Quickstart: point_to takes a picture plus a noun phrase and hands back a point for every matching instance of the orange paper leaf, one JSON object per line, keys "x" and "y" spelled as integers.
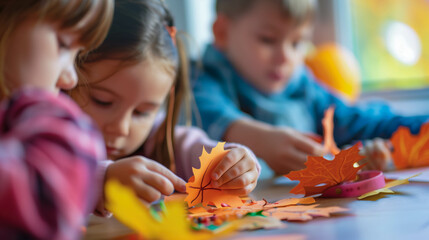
{"x": 302, "y": 213}
{"x": 321, "y": 173}
{"x": 328, "y": 131}
{"x": 253, "y": 206}
{"x": 410, "y": 150}
{"x": 199, "y": 187}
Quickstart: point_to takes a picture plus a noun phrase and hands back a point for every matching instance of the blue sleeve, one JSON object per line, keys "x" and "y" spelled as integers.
{"x": 354, "y": 123}
{"x": 216, "y": 107}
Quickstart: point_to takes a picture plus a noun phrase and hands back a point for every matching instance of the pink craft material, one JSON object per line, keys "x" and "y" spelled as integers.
{"x": 368, "y": 181}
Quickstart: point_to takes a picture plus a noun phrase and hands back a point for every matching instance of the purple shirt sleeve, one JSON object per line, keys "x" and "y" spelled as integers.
{"x": 48, "y": 155}
{"x": 188, "y": 146}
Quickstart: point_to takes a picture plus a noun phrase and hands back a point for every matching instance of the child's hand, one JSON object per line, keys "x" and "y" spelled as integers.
{"x": 287, "y": 149}
{"x": 149, "y": 179}
{"x": 378, "y": 154}
{"x": 236, "y": 173}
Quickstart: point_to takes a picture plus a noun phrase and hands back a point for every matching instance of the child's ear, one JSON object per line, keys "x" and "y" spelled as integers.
{"x": 220, "y": 31}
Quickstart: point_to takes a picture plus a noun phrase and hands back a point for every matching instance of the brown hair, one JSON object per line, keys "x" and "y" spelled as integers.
{"x": 68, "y": 13}
{"x": 139, "y": 32}
{"x": 299, "y": 10}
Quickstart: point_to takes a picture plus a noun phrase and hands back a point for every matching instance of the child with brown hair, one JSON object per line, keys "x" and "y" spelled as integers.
{"x": 255, "y": 90}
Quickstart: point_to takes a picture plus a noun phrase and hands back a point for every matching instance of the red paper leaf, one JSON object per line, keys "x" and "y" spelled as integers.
{"x": 321, "y": 173}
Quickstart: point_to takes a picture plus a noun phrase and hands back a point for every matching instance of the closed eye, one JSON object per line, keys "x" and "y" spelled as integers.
{"x": 142, "y": 113}
{"x": 267, "y": 40}
{"x": 101, "y": 103}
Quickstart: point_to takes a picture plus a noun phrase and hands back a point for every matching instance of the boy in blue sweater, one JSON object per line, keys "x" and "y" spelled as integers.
{"x": 255, "y": 90}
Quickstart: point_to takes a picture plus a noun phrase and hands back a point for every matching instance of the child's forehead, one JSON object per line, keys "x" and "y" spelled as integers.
{"x": 268, "y": 17}
{"x": 272, "y": 11}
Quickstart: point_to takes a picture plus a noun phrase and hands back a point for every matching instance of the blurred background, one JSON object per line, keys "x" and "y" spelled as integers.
{"x": 385, "y": 43}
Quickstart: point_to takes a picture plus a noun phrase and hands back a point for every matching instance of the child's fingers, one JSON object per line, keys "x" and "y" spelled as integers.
{"x": 158, "y": 181}
{"x": 242, "y": 191}
{"x": 384, "y": 153}
{"x": 230, "y": 159}
{"x": 146, "y": 192}
{"x": 295, "y": 160}
{"x": 235, "y": 171}
{"x": 377, "y": 154}
{"x": 241, "y": 181}
{"x": 309, "y": 146}
{"x": 177, "y": 182}
{"x": 368, "y": 151}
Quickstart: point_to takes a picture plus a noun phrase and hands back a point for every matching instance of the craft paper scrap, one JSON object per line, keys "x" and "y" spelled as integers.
{"x": 328, "y": 131}
{"x": 386, "y": 188}
{"x": 410, "y": 150}
{"x": 199, "y": 187}
{"x": 293, "y": 209}
{"x": 253, "y": 206}
{"x": 302, "y": 213}
{"x": 321, "y": 173}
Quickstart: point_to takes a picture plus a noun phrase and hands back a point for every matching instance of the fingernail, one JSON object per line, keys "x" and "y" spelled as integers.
{"x": 215, "y": 176}
{"x": 183, "y": 187}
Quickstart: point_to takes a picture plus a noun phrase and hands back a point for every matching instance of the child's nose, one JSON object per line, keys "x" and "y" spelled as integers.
{"x": 283, "y": 54}
{"x": 120, "y": 126}
{"x": 68, "y": 78}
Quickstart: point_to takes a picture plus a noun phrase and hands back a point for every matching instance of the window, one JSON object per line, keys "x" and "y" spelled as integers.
{"x": 390, "y": 39}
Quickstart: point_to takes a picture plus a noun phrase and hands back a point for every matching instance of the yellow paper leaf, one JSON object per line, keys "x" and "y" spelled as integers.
{"x": 386, "y": 188}
{"x": 128, "y": 209}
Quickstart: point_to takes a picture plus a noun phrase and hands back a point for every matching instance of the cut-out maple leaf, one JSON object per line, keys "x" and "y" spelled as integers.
{"x": 321, "y": 173}
{"x": 252, "y": 207}
{"x": 386, "y": 189}
{"x": 199, "y": 186}
{"x": 410, "y": 150}
{"x": 328, "y": 131}
{"x": 302, "y": 213}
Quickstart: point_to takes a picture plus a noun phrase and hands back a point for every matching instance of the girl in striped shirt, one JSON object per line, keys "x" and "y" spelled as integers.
{"x": 48, "y": 148}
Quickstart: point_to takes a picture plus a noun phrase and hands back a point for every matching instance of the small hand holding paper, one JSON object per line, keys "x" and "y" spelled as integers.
{"x": 236, "y": 173}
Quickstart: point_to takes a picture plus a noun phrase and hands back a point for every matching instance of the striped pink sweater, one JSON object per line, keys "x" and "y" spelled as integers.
{"x": 48, "y": 156}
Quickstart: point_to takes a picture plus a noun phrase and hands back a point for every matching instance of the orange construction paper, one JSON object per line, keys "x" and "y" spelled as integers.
{"x": 302, "y": 213}
{"x": 409, "y": 150}
{"x": 321, "y": 173}
{"x": 328, "y": 131}
{"x": 290, "y": 201}
{"x": 253, "y": 206}
{"x": 199, "y": 187}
